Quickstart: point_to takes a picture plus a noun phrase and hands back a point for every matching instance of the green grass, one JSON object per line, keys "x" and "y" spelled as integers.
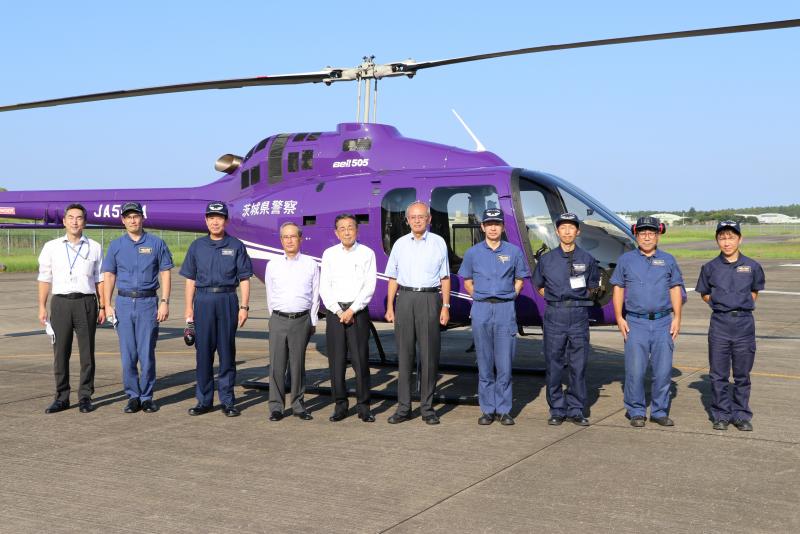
{"x": 788, "y": 249}
{"x": 28, "y": 263}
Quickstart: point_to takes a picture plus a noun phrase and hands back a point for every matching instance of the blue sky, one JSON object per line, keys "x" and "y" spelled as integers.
{"x": 708, "y": 122}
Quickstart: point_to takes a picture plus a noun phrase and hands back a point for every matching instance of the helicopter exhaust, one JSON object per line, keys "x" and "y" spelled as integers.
{"x": 227, "y": 163}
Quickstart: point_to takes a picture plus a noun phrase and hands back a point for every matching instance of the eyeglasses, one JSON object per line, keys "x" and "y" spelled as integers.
{"x": 647, "y": 233}
{"x": 417, "y": 217}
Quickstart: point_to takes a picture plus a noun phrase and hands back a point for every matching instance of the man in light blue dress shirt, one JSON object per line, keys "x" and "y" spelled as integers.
{"x": 418, "y": 269}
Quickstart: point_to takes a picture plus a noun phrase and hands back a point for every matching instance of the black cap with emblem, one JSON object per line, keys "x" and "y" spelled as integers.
{"x": 134, "y": 207}
{"x": 493, "y": 214}
{"x": 729, "y": 225}
{"x": 217, "y": 208}
{"x": 568, "y": 218}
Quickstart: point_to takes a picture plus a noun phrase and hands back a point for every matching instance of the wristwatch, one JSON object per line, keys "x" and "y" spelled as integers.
{"x": 245, "y": 308}
{"x": 165, "y": 301}
{"x": 447, "y": 305}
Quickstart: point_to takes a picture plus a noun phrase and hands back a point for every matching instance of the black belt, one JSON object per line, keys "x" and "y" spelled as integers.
{"x": 494, "y": 300}
{"x": 420, "y": 289}
{"x": 569, "y": 303}
{"x": 290, "y": 315}
{"x": 735, "y": 313}
{"x": 220, "y": 289}
{"x": 650, "y": 316}
{"x": 73, "y": 296}
{"x": 137, "y": 294}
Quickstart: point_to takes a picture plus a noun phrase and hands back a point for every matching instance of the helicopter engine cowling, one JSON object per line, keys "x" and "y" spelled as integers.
{"x": 228, "y": 163}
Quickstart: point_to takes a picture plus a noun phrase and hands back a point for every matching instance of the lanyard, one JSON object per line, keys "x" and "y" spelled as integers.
{"x": 78, "y": 253}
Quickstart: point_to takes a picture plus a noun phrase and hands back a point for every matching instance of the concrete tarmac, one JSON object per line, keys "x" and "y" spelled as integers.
{"x": 167, "y": 472}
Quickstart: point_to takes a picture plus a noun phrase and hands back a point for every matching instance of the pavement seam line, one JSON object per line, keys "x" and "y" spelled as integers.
{"x": 509, "y": 466}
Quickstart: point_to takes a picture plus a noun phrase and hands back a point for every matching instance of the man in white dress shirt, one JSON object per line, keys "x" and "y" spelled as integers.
{"x": 347, "y": 283}
{"x": 419, "y": 268}
{"x": 292, "y": 283}
{"x": 70, "y": 265}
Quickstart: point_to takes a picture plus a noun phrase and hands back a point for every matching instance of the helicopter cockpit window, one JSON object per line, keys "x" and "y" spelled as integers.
{"x": 600, "y": 237}
{"x": 393, "y": 215}
{"x": 540, "y": 207}
{"x": 308, "y": 160}
{"x": 293, "y": 162}
{"x": 357, "y": 145}
{"x": 456, "y": 216}
{"x": 260, "y": 146}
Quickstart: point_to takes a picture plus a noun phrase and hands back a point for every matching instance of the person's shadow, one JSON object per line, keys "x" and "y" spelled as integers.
{"x": 703, "y": 386}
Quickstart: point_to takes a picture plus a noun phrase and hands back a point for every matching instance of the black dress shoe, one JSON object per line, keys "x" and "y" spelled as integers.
{"x": 637, "y": 421}
{"x": 133, "y": 406}
{"x": 486, "y": 419}
{"x": 743, "y": 425}
{"x": 397, "y": 418}
{"x": 276, "y": 416}
{"x": 663, "y": 421}
{"x": 57, "y": 406}
{"x": 85, "y": 405}
{"x": 506, "y": 420}
{"x": 149, "y": 406}
{"x": 231, "y": 411}
{"x": 555, "y": 420}
{"x": 579, "y": 420}
{"x": 199, "y": 410}
{"x": 337, "y": 417}
{"x": 367, "y": 417}
{"x": 304, "y": 415}
{"x": 432, "y": 419}
{"x": 722, "y": 424}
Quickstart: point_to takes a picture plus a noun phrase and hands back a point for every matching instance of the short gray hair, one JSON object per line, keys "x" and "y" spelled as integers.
{"x": 290, "y": 223}
{"x": 418, "y": 203}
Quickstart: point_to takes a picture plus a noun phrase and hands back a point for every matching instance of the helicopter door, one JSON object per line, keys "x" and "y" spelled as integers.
{"x": 456, "y": 216}
{"x": 540, "y": 207}
{"x": 393, "y": 215}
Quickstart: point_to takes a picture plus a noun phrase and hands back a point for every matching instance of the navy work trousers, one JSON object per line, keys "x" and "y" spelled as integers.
{"x": 216, "y": 318}
{"x": 494, "y": 329}
{"x": 648, "y": 341}
{"x": 731, "y": 345}
{"x": 566, "y": 346}
{"x": 138, "y": 331}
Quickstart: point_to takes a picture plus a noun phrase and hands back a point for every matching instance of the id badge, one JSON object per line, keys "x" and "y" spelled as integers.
{"x": 577, "y": 282}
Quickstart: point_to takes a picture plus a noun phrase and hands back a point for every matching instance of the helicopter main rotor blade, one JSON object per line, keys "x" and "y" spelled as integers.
{"x": 280, "y": 79}
{"x": 400, "y": 68}
{"x": 776, "y": 25}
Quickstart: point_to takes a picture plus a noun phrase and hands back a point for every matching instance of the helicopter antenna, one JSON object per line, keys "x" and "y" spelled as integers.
{"x": 478, "y": 145}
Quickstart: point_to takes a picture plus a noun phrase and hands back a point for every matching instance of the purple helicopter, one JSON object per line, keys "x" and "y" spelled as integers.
{"x": 373, "y": 172}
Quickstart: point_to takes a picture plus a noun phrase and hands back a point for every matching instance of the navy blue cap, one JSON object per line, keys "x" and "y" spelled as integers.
{"x": 729, "y": 225}
{"x": 217, "y": 208}
{"x": 568, "y": 218}
{"x": 493, "y": 214}
{"x": 648, "y": 222}
{"x": 132, "y": 206}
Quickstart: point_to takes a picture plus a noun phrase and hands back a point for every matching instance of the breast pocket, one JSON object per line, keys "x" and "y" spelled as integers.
{"x": 742, "y": 282}
{"x": 148, "y": 266}
{"x": 227, "y": 264}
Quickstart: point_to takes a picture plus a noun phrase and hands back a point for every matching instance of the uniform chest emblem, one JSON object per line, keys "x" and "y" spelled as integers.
{"x": 659, "y": 263}
{"x": 743, "y": 269}
{"x": 503, "y": 258}
{"x": 145, "y": 250}
{"x": 226, "y": 251}
{"x": 579, "y": 267}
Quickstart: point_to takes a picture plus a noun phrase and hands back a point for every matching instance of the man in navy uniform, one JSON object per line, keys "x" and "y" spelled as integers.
{"x": 730, "y": 284}
{"x": 215, "y": 265}
{"x": 649, "y": 283}
{"x": 493, "y": 273}
{"x": 134, "y": 263}
{"x": 418, "y": 268}
{"x": 567, "y": 278}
